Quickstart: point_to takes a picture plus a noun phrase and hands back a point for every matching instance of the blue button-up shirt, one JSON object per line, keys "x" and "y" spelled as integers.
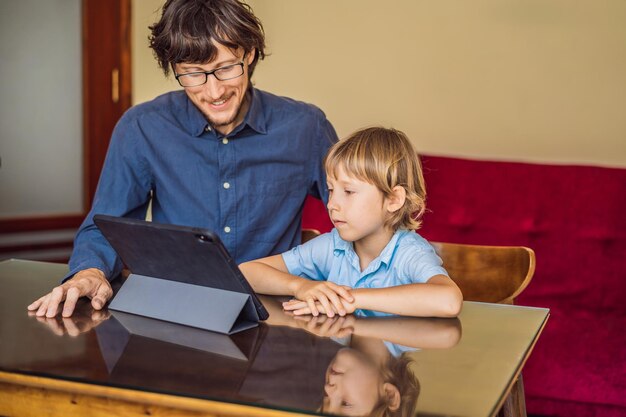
{"x": 248, "y": 187}
{"x": 407, "y": 258}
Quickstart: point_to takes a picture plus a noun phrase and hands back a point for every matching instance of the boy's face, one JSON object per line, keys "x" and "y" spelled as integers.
{"x": 353, "y": 384}
{"x": 357, "y": 209}
{"x": 223, "y": 103}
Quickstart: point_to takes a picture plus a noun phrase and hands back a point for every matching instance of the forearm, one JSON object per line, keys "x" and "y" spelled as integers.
{"x": 418, "y": 300}
{"x": 266, "y": 279}
{"x": 123, "y": 190}
{"x": 426, "y": 333}
{"x": 91, "y": 250}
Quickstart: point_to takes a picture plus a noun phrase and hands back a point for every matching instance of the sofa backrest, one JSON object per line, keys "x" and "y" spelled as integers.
{"x": 573, "y": 217}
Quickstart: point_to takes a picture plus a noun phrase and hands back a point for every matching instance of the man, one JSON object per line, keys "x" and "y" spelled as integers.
{"x": 220, "y": 154}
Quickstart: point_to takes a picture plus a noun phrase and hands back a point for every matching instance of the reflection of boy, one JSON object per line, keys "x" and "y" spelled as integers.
{"x": 370, "y": 373}
{"x": 288, "y": 370}
{"x": 372, "y": 259}
{"x": 370, "y": 379}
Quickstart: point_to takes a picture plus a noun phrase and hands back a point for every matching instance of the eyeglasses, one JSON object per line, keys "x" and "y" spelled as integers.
{"x": 194, "y": 79}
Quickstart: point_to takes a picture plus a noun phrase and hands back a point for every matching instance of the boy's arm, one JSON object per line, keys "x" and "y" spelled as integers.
{"x": 270, "y": 276}
{"x": 438, "y": 297}
{"x": 424, "y": 333}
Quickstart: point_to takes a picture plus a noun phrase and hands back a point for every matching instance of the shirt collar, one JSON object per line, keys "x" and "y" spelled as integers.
{"x": 255, "y": 118}
{"x": 387, "y": 253}
{"x": 384, "y": 257}
{"x": 197, "y": 122}
{"x": 339, "y": 244}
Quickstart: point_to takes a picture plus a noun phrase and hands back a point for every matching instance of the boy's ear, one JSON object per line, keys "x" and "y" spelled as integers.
{"x": 392, "y": 395}
{"x": 396, "y": 200}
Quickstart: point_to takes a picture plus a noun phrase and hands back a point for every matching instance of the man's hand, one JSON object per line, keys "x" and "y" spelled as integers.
{"x": 89, "y": 283}
{"x": 79, "y": 323}
{"x": 299, "y": 308}
{"x": 327, "y": 294}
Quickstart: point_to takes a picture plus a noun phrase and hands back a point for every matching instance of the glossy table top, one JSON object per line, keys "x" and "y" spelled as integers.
{"x": 424, "y": 367}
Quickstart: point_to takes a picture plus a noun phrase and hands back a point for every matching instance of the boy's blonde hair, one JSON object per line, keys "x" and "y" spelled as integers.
{"x": 384, "y": 158}
{"x": 398, "y": 372}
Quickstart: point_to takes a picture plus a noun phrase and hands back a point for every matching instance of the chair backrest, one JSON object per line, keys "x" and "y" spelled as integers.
{"x": 308, "y": 234}
{"x": 495, "y": 274}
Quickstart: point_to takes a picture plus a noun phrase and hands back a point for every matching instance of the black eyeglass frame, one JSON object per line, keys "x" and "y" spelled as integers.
{"x": 212, "y": 72}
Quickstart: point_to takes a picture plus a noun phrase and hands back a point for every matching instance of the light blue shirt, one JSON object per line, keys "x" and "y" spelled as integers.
{"x": 394, "y": 349}
{"x": 408, "y": 258}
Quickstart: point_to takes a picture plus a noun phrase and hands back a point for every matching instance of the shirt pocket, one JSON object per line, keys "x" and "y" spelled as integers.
{"x": 271, "y": 207}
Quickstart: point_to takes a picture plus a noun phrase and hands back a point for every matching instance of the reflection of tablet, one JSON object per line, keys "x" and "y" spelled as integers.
{"x": 198, "y": 362}
{"x": 176, "y": 253}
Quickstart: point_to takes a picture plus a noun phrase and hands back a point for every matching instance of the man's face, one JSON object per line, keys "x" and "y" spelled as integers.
{"x": 223, "y": 103}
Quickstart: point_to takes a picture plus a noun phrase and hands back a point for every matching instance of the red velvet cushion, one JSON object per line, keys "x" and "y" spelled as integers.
{"x": 574, "y": 218}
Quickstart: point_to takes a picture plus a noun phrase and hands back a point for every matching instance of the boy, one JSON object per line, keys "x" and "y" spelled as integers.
{"x": 372, "y": 259}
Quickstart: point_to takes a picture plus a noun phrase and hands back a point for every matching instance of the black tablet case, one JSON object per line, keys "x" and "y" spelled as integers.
{"x": 180, "y": 274}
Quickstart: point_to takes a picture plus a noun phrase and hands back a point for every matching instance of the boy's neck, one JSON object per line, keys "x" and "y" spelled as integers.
{"x": 370, "y": 247}
{"x": 373, "y": 348}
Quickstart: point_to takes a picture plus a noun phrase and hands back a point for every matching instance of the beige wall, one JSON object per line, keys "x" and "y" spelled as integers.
{"x": 148, "y": 80}
{"x": 529, "y": 80}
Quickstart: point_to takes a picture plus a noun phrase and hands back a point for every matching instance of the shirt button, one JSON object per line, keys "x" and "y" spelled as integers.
{"x": 227, "y": 229}
{"x": 225, "y": 141}
{"x": 226, "y": 185}
{"x": 207, "y": 129}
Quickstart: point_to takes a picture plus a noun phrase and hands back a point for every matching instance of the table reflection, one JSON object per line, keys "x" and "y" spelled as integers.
{"x": 371, "y": 375}
{"x": 306, "y": 365}
{"x": 354, "y": 365}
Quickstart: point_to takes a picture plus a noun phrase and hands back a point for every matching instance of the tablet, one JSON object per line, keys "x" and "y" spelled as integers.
{"x": 176, "y": 253}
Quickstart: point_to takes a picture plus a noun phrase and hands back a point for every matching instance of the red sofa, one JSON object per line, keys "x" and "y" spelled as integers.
{"x": 574, "y": 217}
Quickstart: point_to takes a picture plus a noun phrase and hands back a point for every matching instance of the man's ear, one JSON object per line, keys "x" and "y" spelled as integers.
{"x": 250, "y": 56}
{"x": 392, "y": 396}
{"x": 396, "y": 200}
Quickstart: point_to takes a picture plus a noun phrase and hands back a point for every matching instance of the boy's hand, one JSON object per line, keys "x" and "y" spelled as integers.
{"x": 325, "y": 326}
{"x": 299, "y": 308}
{"x": 328, "y": 295}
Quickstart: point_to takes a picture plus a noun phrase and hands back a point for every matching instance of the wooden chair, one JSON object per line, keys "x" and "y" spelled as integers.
{"x": 308, "y": 234}
{"x": 495, "y": 274}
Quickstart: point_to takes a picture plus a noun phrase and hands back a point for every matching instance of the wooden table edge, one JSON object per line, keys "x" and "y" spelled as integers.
{"x": 521, "y": 365}
{"x": 79, "y": 395}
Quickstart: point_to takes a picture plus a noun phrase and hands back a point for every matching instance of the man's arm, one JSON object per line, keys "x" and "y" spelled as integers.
{"x": 326, "y": 137}
{"x": 123, "y": 190}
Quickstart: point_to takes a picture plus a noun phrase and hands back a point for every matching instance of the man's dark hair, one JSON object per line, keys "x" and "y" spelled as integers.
{"x": 187, "y": 27}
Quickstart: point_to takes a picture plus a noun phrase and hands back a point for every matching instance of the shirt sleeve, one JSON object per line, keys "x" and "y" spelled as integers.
{"x": 123, "y": 190}
{"x": 324, "y": 139}
{"x": 312, "y": 259}
{"x": 421, "y": 263}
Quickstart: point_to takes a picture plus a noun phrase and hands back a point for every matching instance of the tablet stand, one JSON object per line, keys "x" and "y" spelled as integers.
{"x": 206, "y": 308}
